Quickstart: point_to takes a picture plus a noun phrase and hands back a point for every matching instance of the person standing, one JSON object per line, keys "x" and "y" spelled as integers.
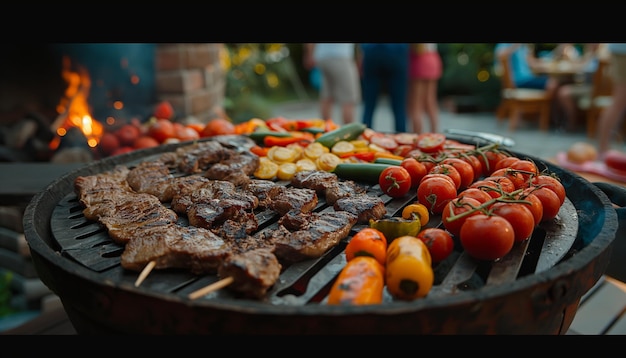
{"x": 385, "y": 64}
{"x": 340, "y": 83}
{"x": 613, "y": 114}
{"x": 425, "y": 70}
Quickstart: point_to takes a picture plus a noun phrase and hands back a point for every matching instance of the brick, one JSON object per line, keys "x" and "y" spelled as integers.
{"x": 182, "y": 81}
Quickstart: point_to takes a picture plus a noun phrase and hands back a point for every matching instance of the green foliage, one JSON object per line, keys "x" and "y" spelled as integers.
{"x": 5, "y": 293}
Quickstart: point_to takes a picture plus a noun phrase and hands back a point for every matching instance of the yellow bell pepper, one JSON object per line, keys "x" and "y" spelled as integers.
{"x": 408, "y": 272}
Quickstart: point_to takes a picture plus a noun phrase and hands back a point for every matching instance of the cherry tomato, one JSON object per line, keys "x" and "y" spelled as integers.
{"x": 449, "y": 170}
{"x": 526, "y": 168}
{"x": 505, "y": 162}
{"x": 431, "y": 142}
{"x": 475, "y": 193}
{"x": 551, "y": 183}
{"x": 145, "y": 141}
{"x": 474, "y": 162}
{"x": 164, "y": 110}
{"x": 438, "y": 175}
{"x": 403, "y": 150}
{"x": 162, "y": 129}
{"x": 487, "y": 237}
{"x": 184, "y": 132}
{"x": 489, "y": 159}
{"x": 416, "y": 169}
{"x": 516, "y": 177}
{"x": 439, "y": 243}
{"x": 395, "y": 181}
{"x": 490, "y": 187}
{"x": 535, "y": 205}
{"x": 520, "y": 217}
{"x": 406, "y": 138}
{"x": 127, "y": 134}
{"x": 465, "y": 169}
{"x": 221, "y": 126}
{"x": 504, "y": 183}
{"x": 549, "y": 200}
{"x": 435, "y": 193}
{"x": 456, "y": 207}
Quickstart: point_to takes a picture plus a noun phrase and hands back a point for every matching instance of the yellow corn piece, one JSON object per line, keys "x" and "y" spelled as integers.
{"x": 286, "y": 171}
{"x": 314, "y": 150}
{"x": 267, "y": 169}
{"x": 280, "y": 154}
{"x": 305, "y": 164}
{"x": 327, "y": 162}
{"x": 359, "y": 143}
{"x": 342, "y": 147}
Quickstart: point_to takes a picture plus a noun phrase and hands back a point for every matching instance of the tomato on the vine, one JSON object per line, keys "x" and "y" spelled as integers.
{"x": 465, "y": 169}
{"x": 551, "y": 183}
{"x": 439, "y": 243}
{"x": 487, "y": 237}
{"x": 431, "y": 142}
{"x": 534, "y": 204}
{"x": 526, "y": 168}
{"x": 435, "y": 193}
{"x": 489, "y": 159}
{"x": 456, "y": 207}
{"x": 395, "y": 181}
{"x": 475, "y": 193}
{"x": 449, "y": 170}
{"x": 416, "y": 169}
{"x": 519, "y": 216}
{"x": 162, "y": 129}
{"x": 549, "y": 200}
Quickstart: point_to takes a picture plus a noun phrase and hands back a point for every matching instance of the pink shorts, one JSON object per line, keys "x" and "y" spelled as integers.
{"x": 426, "y": 65}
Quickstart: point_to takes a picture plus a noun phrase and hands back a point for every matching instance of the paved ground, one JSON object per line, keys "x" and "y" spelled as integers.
{"x": 528, "y": 139}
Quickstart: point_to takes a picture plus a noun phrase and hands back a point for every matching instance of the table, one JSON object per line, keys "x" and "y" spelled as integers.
{"x": 558, "y": 68}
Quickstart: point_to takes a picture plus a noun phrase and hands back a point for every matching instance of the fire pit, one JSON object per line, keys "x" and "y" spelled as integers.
{"x": 534, "y": 290}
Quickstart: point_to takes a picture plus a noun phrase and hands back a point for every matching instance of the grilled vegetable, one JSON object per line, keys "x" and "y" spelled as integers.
{"x": 409, "y": 273}
{"x": 395, "y": 227}
{"x": 360, "y": 282}
{"x": 362, "y": 172}
{"x": 416, "y": 211}
{"x": 346, "y": 132}
{"x": 368, "y": 242}
{"x": 259, "y": 135}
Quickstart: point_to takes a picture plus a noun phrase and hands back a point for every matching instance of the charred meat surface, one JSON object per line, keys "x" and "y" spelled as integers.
{"x": 343, "y": 189}
{"x": 152, "y": 177}
{"x": 365, "y": 206}
{"x": 175, "y": 246}
{"x": 318, "y": 180}
{"x": 294, "y": 199}
{"x": 263, "y": 190}
{"x": 321, "y": 232}
{"x": 93, "y": 189}
{"x": 254, "y": 272}
{"x": 235, "y": 169}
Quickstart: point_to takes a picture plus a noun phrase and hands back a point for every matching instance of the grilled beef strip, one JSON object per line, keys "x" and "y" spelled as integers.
{"x": 175, "y": 246}
{"x": 93, "y": 189}
{"x": 152, "y": 177}
{"x": 318, "y": 180}
{"x": 342, "y": 189}
{"x": 294, "y": 199}
{"x": 235, "y": 169}
{"x": 263, "y": 190}
{"x": 365, "y": 206}
{"x": 317, "y": 232}
{"x": 254, "y": 272}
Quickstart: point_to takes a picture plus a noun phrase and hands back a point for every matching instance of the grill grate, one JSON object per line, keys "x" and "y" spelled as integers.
{"x": 308, "y": 282}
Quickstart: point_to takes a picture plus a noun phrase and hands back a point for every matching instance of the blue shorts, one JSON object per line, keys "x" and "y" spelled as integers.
{"x": 535, "y": 82}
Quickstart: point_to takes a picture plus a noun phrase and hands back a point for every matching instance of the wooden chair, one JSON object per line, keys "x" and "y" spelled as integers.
{"x": 599, "y": 98}
{"x": 517, "y": 102}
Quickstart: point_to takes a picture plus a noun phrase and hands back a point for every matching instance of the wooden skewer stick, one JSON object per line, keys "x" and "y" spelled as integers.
{"x": 144, "y": 273}
{"x": 210, "y": 288}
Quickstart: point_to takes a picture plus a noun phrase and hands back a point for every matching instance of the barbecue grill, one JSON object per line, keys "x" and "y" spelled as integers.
{"x": 535, "y": 289}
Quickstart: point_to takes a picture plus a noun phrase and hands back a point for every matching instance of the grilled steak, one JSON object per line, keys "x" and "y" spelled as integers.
{"x": 182, "y": 185}
{"x": 318, "y": 180}
{"x": 212, "y": 213}
{"x": 197, "y": 157}
{"x": 152, "y": 177}
{"x": 263, "y": 190}
{"x": 235, "y": 169}
{"x": 93, "y": 189}
{"x": 135, "y": 212}
{"x": 213, "y": 189}
{"x": 342, "y": 189}
{"x": 365, "y": 206}
{"x": 294, "y": 199}
{"x": 322, "y": 231}
{"x": 175, "y": 246}
{"x": 254, "y": 272}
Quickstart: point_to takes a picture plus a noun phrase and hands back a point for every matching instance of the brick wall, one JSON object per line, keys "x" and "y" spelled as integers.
{"x": 191, "y": 78}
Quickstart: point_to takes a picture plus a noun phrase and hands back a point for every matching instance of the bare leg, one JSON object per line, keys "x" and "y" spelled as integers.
{"x": 610, "y": 117}
{"x": 430, "y": 104}
{"x": 347, "y": 113}
{"x": 412, "y": 107}
{"x": 326, "y": 108}
{"x": 567, "y": 103}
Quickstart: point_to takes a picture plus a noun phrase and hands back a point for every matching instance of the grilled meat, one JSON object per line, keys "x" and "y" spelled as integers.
{"x": 94, "y": 189}
{"x": 212, "y": 213}
{"x": 197, "y": 157}
{"x": 152, "y": 177}
{"x": 365, "y": 206}
{"x": 235, "y": 169}
{"x": 294, "y": 199}
{"x": 321, "y": 232}
{"x": 263, "y": 190}
{"x": 175, "y": 246}
{"x": 318, "y": 180}
{"x": 213, "y": 189}
{"x": 342, "y": 189}
{"x": 254, "y": 272}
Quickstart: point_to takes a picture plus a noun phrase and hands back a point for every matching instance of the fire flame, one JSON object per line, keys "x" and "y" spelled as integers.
{"x": 74, "y": 110}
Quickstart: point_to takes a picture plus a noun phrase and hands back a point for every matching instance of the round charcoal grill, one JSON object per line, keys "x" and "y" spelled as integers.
{"x": 535, "y": 289}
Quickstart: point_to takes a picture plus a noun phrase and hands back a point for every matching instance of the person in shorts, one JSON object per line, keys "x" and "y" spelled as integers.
{"x": 340, "y": 82}
{"x": 425, "y": 70}
{"x": 613, "y": 114}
